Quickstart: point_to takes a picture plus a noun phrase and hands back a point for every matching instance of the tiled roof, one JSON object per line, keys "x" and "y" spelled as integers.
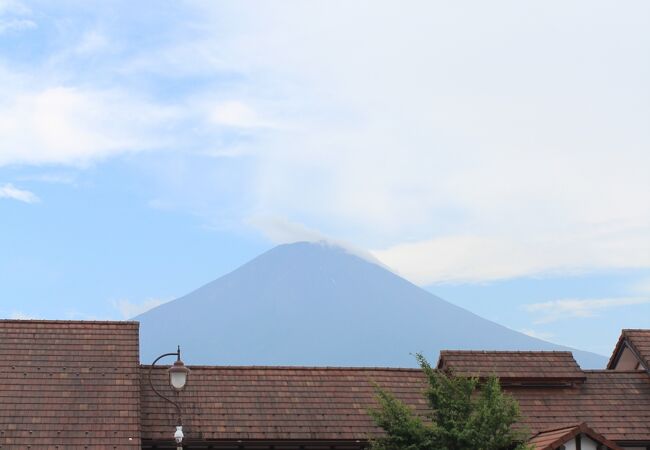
{"x": 615, "y": 404}
{"x": 539, "y": 366}
{"x": 638, "y": 341}
{"x": 69, "y": 385}
{"x": 248, "y": 403}
{"x": 79, "y": 385}
{"x": 554, "y": 439}
{"x": 276, "y": 403}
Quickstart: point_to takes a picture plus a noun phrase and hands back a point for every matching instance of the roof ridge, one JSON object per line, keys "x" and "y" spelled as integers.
{"x": 507, "y": 351}
{"x": 565, "y": 427}
{"x": 58, "y": 321}
{"x": 252, "y": 367}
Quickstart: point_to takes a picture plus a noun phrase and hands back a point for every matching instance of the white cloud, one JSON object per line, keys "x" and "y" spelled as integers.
{"x": 13, "y": 16}
{"x": 13, "y": 7}
{"x": 466, "y": 144}
{"x": 555, "y": 310}
{"x": 282, "y": 231}
{"x": 462, "y": 143}
{"x": 476, "y": 258}
{"x": 129, "y": 309}
{"x": 73, "y": 126}
{"x": 235, "y": 113}
{"x": 12, "y": 192}
{"x": 16, "y": 25}
{"x": 92, "y": 42}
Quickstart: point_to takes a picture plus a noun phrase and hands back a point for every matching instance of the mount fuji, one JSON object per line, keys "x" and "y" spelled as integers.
{"x": 319, "y": 305}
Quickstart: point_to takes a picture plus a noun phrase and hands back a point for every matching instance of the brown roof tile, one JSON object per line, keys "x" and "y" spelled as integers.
{"x": 69, "y": 384}
{"x": 615, "y": 404}
{"x": 538, "y": 366}
{"x": 276, "y": 403}
{"x": 268, "y": 403}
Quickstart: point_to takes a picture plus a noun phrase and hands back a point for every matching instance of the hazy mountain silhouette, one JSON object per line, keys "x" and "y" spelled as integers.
{"x": 316, "y": 304}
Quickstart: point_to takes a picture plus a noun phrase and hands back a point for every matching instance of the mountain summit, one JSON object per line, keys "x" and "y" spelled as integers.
{"x": 317, "y": 304}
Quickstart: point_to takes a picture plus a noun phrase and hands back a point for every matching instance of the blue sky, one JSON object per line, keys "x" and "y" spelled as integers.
{"x": 495, "y": 153}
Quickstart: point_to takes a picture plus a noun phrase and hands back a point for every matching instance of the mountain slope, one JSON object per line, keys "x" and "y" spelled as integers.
{"x": 314, "y": 304}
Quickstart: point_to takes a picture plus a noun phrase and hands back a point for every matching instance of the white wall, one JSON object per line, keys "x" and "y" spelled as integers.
{"x": 586, "y": 444}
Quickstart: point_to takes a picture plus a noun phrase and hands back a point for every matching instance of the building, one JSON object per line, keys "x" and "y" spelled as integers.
{"x": 80, "y": 385}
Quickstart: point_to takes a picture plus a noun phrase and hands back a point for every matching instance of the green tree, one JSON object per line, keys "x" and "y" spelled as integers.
{"x": 465, "y": 414}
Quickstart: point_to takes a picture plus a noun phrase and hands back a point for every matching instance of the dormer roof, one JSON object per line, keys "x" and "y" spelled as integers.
{"x": 632, "y": 352}
{"x": 532, "y": 368}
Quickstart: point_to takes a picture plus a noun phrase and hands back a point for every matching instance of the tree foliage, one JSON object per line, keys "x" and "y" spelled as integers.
{"x": 464, "y": 414}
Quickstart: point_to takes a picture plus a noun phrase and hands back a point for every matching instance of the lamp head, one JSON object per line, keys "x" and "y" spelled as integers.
{"x": 178, "y": 375}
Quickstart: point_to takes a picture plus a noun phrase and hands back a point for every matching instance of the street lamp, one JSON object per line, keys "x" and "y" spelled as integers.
{"x": 177, "y": 380}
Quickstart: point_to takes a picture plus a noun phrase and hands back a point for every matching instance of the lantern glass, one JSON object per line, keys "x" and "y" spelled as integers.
{"x": 178, "y": 375}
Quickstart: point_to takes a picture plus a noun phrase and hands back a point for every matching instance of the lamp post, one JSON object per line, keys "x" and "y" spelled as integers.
{"x": 177, "y": 379}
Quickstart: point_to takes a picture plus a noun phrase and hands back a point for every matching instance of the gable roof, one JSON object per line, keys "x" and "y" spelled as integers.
{"x": 545, "y": 367}
{"x": 69, "y": 384}
{"x": 554, "y": 439}
{"x": 276, "y": 403}
{"x": 638, "y": 341}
